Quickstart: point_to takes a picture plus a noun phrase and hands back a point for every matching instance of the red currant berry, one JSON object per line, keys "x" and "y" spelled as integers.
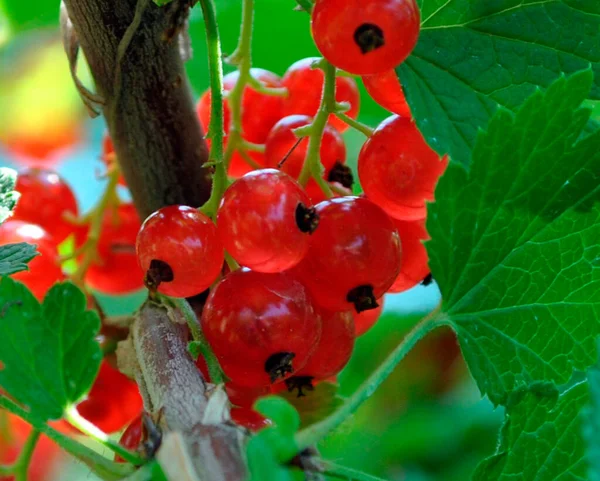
{"x": 109, "y": 157}
{"x": 259, "y": 111}
{"x": 354, "y": 255}
{"x": 398, "y": 170}
{"x": 365, "y": 320}
{"x": 45, "y": 200}
{"x": 179, "y": 250}
{"x": 265, "y": 220}
{"x": 414, "y": 267}
{"x": 113, "y": 402}
{"x": 238, "y": 165}
{"x": 115, "y": 271}
{"x": 245, "y": 396}
{"x": 386, "y": 90}
{"x": 282, "y": 146}
{"x": 365, "y": 38}
{"x": 305, "y": 86}
{"x": 249, "y": 418}
{"x": 131, "y": 437}
{"x": 44, "y": 269}
{"x": 331, "y": 354}
{"x": 262, "y": 327}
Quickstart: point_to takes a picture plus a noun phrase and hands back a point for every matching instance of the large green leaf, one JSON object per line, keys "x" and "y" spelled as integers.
{"x": 591, "y": 424}
{"x": 473, "y": 55}
{"x": 540, "y": 440}
{"x": 515, "y": 244}
{"x": 49, "y": 355}
{"x": 14, "y": 257}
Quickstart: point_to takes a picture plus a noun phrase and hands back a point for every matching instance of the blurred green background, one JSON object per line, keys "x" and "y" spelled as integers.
{"x": 428, "y": 421}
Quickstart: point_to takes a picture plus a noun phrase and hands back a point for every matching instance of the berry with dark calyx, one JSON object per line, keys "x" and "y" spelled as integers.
{"x": 46, "y": 199}
{"x": 44, "y": 270}
{"x": 305, "y": 86}
{"x": 414, "y": 268}
{"x": 301, "y": 384}
{"x": 427, "y": 280}
{"x": 331, "y": 354}
{"x": 265, "y": 219}
{"x": 131, "y": 437}
{"x": 386, "y": 90}
{"x": 179, "y": 250}
{"x": 366, "y": 320}
{"x": 354, "y": 255}
{"x": 249, "y": 419}
{"x": 282, "y": 145}
{"x": 398, "y": 170}
{"x": 262, "y": 327}
{"x": 342, "y": 174}
{"x": 115, "y": 270}
{"x": 365, "y": 38}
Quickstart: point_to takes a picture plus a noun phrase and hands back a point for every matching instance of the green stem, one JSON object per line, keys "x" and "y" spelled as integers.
{"x": 86, "y": 427}
{"x": 216, "y": 127}
{"x": 312, "y": 163}
{"x": 342, "y": 472}
{"x": 22, "y": 464}
{"x": 214, "y": 368}
{"x": 355, "y": 124}
{"x": 314, "y": 433}
{"x": 6, "y": 470}
{"x": 101, "y": 466}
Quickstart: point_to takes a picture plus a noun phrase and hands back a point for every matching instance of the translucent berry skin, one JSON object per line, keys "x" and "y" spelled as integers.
{"x": 187, "y": 241}
{"x": 44, "y": 270}
{"x": 282, "y": 139}
{"x": 386, "y": 90}
{"x": 116, "y": 270}
{"x": 113, "y": 402}
{"x": 250, "y": 317}
{"x": 398, "y": 170}
{"x": 131, "y": 437}
{"x": 257, "y": 221}
{"x": 45, "y": 199}
{"x": 305, "y": 86}
{"x": 249, "y": 418}
{"x": 244, "y": 396}
{"x": 356, "y": 244}
{"x": 414, "y": 267}
{"x": 334, "y": 348}
{"x": 367, "y": 319}
{"x": 259, "y": 111}
{"x": 365, "y": 38}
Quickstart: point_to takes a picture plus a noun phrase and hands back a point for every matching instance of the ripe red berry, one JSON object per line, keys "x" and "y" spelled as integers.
{"x": 131, "y": 437}
{"x": 249, "y": 418}
{"x": 265, "y": 220}
{"x": 44, "y": 269}
{"x": 259, "y": 111}
{"x": 115, "y": 270}
{"x": 282, "y": 141}
{"x": 45, "y": 200}
{"x": 113, "y": 402}
{"x": 262, "y": 327}
{"x": 365, "y": 38}
{"x": 109, "y": 157}
{"x": 365, "y": 320}
{"x": 386, "y": 90}
{"x": 331, "y": 354}
{"x": 414, "y": 267}
{"x": 398, "y": 170}
{"x": 245, "y": 396}
{"x": 238, "y": 165}
{"x": 354, "y": 255}
{"x": 305, "y": 86}
{"x": 179, "y": 250}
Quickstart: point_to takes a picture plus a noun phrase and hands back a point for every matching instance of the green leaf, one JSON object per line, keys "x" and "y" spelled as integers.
{"x": 22, "y": 16}
{"x": 48, "y": 351}
{"x": 473, "y": 55}
{"x": 14, "y": 257}
{"x": 515, "y": 247}
{"x": 540, "y": 440}
{"x": 8, "y": 196}
{"x": 591, "y": 425}
{"x": 281, "y": 412}
{"x": 317, "y": 404}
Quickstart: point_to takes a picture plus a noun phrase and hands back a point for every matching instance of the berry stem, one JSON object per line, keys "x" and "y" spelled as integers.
{"x": 355, "y": 124}
{"x": 86, "y": 427}
{"x": 100, "y": 465}
{"x": 313, "y": 434}
{"x": 216, "y": 127}
{"x": 342, "y": 472}
{"x": 22, "y": 464}
{"x": 312, "y": 163}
